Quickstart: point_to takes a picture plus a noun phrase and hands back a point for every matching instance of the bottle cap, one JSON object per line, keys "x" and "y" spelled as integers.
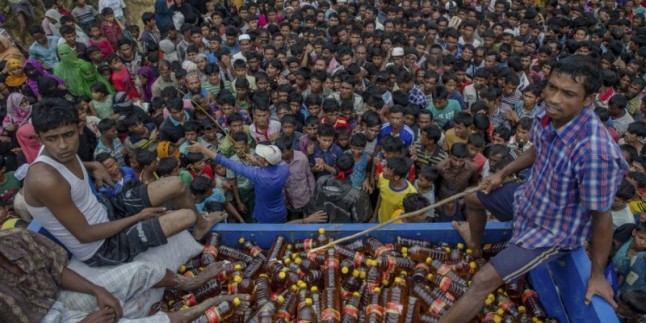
{"x": 398, "y": 280}
{"x": 294, "y": 255}
{"x": 362, "y": 274}
{"x": 237, "y": 267}
{"x": 403, "y": 273}
{"x": 377, "y": 290}
{"x": 491, "y": 296}
{"x": 473, "y": 265}
{"x": 345, "y": 270}
{"x": 298, "y": 261}
{"x": 522, "y": 309}
{"x": 237, "y": 279}
{"x": 264, "y": 275}
{"x": 289, "y": 246}
{"x": 429, "y": 260}
{"x": 182, "y": 268}
{"x": 385, "y": 282}
{"x": 497, "y": 319}
{"x": 287, "y": 261}
{"x": 500, "y": 311}
{"x": 236, "y": 301}
{"x": 280, "y": 299}
{"x": 404, "y": 250}
{"x": 294, "y": 288}
{"x": 488, "y": 301}
{"x": 355, "y": 273}
{"x": 460, "y": 245}
{"x": 356, "y": 295}
{"x": 302, "y": 284}
{"x": 241, "y": 240}
{"x": 321, "y": 230}
{"x": 469, "y": 251}
{"x": 308, "y": 301}
{"x": 282, "y": 275}
{"x": 314, "y": 289}
{"x": 447, "y": 249}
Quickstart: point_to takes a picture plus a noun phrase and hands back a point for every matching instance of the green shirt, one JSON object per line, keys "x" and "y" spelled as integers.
{"x": 442, "y": 116}
{"x": 9, "y": 189}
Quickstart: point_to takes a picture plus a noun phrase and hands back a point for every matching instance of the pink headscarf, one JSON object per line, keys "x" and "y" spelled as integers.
{"x": 30, "y": 146}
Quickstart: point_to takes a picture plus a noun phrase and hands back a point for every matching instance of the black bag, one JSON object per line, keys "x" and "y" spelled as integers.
{"x": 342, "y": 202}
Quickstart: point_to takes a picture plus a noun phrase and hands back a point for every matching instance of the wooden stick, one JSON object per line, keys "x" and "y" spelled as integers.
{"x": 401, "y": 217}
{"x": 208, "y": 114}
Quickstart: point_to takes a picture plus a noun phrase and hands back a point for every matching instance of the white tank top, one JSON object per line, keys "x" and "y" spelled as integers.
{"x": 84, "y": 200}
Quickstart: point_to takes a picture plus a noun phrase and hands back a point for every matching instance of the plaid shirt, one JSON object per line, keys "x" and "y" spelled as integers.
{"x": 416, "y": 96}
{"x": 578, "y": 169}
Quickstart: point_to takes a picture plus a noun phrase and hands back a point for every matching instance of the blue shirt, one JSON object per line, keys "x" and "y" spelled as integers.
{"x": 128, "y": 179}
{"x": 268, "y": 185}
{"x": 46, "y": 54}
{"x": 416, "y": 96}
{"x": 115, "y": 151}
{"x": 406, "y": 134}
{"x": 329, "y": 157}
{"x": 578, "y": 169}
{"x": 216, "y": 196}
{"x": 359, "y": 171}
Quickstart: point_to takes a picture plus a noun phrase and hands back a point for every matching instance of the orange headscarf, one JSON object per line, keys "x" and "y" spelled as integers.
{"x": 12, "y": 79}
{"x": 9, "y": 51}
{"x": 163, "y": 150}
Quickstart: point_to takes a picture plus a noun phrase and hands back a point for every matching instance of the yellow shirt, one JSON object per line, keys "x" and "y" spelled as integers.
{"x": 636, "y": 207}
{"x": 451, "y": 138}
{"x": 396, "y": 214}
{"x": 391, "y": 200}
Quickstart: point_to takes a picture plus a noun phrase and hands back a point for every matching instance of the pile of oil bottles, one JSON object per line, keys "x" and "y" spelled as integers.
{"x": 364, "y": 281}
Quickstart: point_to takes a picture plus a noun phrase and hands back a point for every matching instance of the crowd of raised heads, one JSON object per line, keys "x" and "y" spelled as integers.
{"x": 378, "y": 108}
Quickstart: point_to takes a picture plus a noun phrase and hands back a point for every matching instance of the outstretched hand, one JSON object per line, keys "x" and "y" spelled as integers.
{"x": 598, "y": 285}
{"x": 105, "y": 300}
{"x": 196, "y": 147}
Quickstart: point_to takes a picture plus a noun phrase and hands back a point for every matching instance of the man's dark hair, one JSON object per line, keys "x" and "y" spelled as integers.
{"x": 626, "y": 190}
{"x": 460, "y": 150}
{"x": 106, "y": 124}
{"x": 525, "y": 123}
{"x": 637, "y": 128}
{"x": 432, "y": 132}
{"x": 166, "y": 166}
{"x": 398, "y": 166}
{"x": 392, "y": 144}
{"x": 503, "y": 132}
{"x": 201, "y": 185}
{"x": 345, "y": 162}
{"x": 358, "y": 140}
{"x": 175, "y": 104}
{"x": 51, "y": 114}
{"x": 145, "y": 157}
{"x": 326, "y": 130}
{"x": 463, "y": 118}
{"x": 101, "y": 157}
{"x": 583, "y": 69}
{"x": 619, "y": 100}
{"x": 284, "y": 143}
{"x": 476, "y": 139}
{"x": 415, "y": 201}
{"x": 427, "y": 172}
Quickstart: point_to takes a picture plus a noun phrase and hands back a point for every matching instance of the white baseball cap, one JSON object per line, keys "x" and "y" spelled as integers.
{"x": 244, "y": 37}
{"x": 270, "y": 153}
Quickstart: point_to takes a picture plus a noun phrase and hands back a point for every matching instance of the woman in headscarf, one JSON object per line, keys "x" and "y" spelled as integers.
{"x": 146, "y": 79}
{"x": 7, "y": 51}
{"x": 15, "y": 74}
{"x": 34, "y": 71}
{"x": 77, "y": 74}
{"x": 18, "y": 112}
{"x": 52, "y": 22}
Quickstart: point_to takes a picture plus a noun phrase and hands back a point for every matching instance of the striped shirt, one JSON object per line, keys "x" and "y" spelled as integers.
{"x": 578, "y": 169}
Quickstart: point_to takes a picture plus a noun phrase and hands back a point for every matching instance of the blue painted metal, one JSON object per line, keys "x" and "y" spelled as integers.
{"x": 571, "y": 275}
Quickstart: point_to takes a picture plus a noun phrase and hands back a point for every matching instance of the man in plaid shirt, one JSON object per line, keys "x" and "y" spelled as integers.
{"x": 576, "y": 169}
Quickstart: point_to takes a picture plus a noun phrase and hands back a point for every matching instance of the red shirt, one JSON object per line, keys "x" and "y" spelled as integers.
{"x": 479, "y": 160}
{"x": 123, "y": 83}
{"x": 341, "y": 122}
{"x": 206, "y": 172}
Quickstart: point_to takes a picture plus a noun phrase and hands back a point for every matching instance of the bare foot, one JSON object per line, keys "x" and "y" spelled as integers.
{"x": 197, "y": 310}
{"x": 462, "y": 227}
{"x": 207, "y": 220}
{"x": 211, "y": 271}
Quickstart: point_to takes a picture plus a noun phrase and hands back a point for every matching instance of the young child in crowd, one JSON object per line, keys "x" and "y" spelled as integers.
{"x": 393, "y": 188}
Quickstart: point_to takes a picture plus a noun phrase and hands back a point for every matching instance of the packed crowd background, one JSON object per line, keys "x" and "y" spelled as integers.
{"x": 377, "y": 109}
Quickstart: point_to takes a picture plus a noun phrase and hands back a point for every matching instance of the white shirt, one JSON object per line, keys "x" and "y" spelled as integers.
{"x": 116, "y": 6}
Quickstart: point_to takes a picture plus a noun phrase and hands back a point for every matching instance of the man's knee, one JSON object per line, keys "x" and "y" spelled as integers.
{"x": 486, "y": 280}
{"x": 177, "y": 220}
{"x": 472, "y": 201}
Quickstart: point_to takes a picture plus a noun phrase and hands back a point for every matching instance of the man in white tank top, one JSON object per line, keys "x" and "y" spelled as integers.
{"x": 58, "y": 195}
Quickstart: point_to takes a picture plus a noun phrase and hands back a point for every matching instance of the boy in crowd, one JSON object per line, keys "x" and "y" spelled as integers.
{"x": 457, "y": 170}
{"x": 323, "y": 159}
{"x": 393, "y": 188}
{"x": 460, "y": 132}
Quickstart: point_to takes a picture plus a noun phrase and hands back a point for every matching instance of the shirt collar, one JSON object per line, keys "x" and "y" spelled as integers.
{"x": 570, "y": 130}
{"x": 177, "y": 123}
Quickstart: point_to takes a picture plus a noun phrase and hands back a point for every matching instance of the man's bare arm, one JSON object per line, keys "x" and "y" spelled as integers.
{"x": 46, "y": 187}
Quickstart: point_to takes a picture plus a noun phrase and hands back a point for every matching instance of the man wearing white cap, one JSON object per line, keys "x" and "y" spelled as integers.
{"x": 268, "y": 178}
{"x": 245, "y": 46}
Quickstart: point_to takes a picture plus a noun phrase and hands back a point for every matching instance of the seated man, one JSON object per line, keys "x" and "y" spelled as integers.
{"x": 36, "y": 270}
{"x": 58, "y": 195}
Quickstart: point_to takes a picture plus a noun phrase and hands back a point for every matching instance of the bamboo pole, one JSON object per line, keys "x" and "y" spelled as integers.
{"x": 401, "y": 217}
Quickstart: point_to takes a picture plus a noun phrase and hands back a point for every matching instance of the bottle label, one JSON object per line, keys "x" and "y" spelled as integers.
{"x": 213, "y": 315}
{"x": 307, "y": 244}
{"x": 331, "y": 263}
{"x": 489, "y": 316}
{"x": 189, "y": 299}
{"x": 383, "y": 249}
{"x": 390, "y": 260}
{"x": 330, "y": 314}
{"x": 443, "y": 269}
{"x": 350, "y": 310}
{"x": 394, "y": 308}
{"x": 375, "y": 308}
{"x": 358, "y": 259}
{"x": 437, "y": 307}
{"x": 210, "y": 250}
{"x": 284, "y": 314}
{"x": 527, "y": 294}
{"x": 506, "y": 304}
{"x": 445, "y": 283}
{"x": 345, "y": 294}
{"x": 255, "y": 251}
{"x": 232, "y": 288}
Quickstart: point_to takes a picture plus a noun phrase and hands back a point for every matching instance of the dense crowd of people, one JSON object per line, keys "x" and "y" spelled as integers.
{"x": 307, "y": 112}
